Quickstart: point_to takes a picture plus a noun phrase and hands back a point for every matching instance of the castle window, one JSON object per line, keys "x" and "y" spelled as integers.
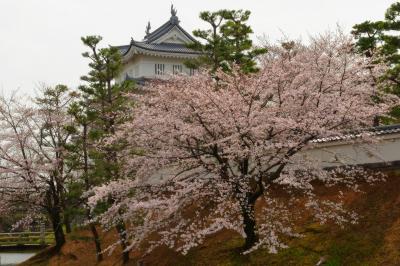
{"x": 191, "y": 71}
{"x": 159, "y": 69}
{"x": 177, "y": 69}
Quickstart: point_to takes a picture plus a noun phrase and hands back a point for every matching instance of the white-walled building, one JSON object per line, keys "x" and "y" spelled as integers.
{"x": 349, "y": 149}
{"x": 161, "y": 53}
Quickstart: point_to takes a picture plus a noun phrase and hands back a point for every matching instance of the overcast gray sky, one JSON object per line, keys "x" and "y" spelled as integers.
{"x": 40, "y": 39}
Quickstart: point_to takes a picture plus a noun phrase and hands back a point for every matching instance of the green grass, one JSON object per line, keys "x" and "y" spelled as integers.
{"x": 25, "y": 239}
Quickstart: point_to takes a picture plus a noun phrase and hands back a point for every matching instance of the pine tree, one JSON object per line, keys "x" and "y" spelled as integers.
{"x": 79, "y": 160}
{"x": 107, "y": 104}
{"x": 226, "y": 42}
{"x": 382, "y": 38}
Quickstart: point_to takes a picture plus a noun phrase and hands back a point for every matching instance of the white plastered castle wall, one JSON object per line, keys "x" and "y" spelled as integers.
{"x": 143, "y": 66}
{"x": 337, "y": 153}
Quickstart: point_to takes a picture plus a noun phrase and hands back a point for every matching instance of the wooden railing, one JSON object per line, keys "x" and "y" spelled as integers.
{"x": 26, "y": 239}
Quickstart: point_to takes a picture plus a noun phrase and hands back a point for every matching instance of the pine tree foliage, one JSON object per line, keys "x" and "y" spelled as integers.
{"x": 382, "y": 38}
{"x": 226, "y": 42}
{"x": 106, "y": 108}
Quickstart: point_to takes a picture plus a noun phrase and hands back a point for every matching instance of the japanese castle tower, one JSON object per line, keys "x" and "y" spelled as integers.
{"x": 161, "y": 53}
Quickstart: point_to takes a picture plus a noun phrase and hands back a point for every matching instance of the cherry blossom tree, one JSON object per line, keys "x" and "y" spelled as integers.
{"x": 32, "y": 151}
{"x": 206, "y": 153}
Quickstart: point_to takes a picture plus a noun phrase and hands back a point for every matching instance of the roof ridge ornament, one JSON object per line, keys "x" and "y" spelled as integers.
{"x": 148, "y": 28}
{"x": 174, "y": 18}
{"x": 173, "y": 11}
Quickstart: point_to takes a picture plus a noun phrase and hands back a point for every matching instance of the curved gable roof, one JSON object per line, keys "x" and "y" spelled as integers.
{"x": 149, "y": 43}
{"x": 164, "y": 29}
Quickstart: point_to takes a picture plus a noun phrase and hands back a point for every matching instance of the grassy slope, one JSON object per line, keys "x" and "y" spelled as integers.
{"x": 374, "y": 241}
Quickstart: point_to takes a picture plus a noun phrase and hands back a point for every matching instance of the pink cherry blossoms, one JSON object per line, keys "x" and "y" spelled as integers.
{"x": 206, "y": 151}
{"x": 33, "y": 174}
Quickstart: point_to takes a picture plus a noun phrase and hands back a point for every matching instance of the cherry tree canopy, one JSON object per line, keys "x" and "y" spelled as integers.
{"x": 205, "y": 151}
{"x": 33, "y": 137}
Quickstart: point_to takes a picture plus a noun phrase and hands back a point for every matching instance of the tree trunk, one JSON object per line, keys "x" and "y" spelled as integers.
{"x": 249, "y": 223}
{"x": 57, "y": 228}
{"x": 54, "y": 210}
{"x": 67, "y": 223}
{"x": 96, "y": 238}
{"x": 99, "y": 255}
{"x": 376, "y": 121}
{"x": 121, "y": 229}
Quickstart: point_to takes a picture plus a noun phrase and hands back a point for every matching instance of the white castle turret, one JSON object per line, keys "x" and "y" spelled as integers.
{"x": 161, "y": 52}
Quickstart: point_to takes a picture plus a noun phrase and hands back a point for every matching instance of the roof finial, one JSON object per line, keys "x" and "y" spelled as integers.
{"x": 174, "y": 18}
{"x": 148, "y": 28}
{"x": 173, "y": 11}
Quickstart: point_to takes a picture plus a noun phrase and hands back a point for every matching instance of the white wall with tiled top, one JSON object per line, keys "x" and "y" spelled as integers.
{"x": 335, "y": 153}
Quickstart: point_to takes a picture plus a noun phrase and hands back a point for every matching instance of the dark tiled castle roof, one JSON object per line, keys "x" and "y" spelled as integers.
{"x": 148, "y": 44}
{"x": 164, "y": 29}
{"x": 158, "y": 47}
